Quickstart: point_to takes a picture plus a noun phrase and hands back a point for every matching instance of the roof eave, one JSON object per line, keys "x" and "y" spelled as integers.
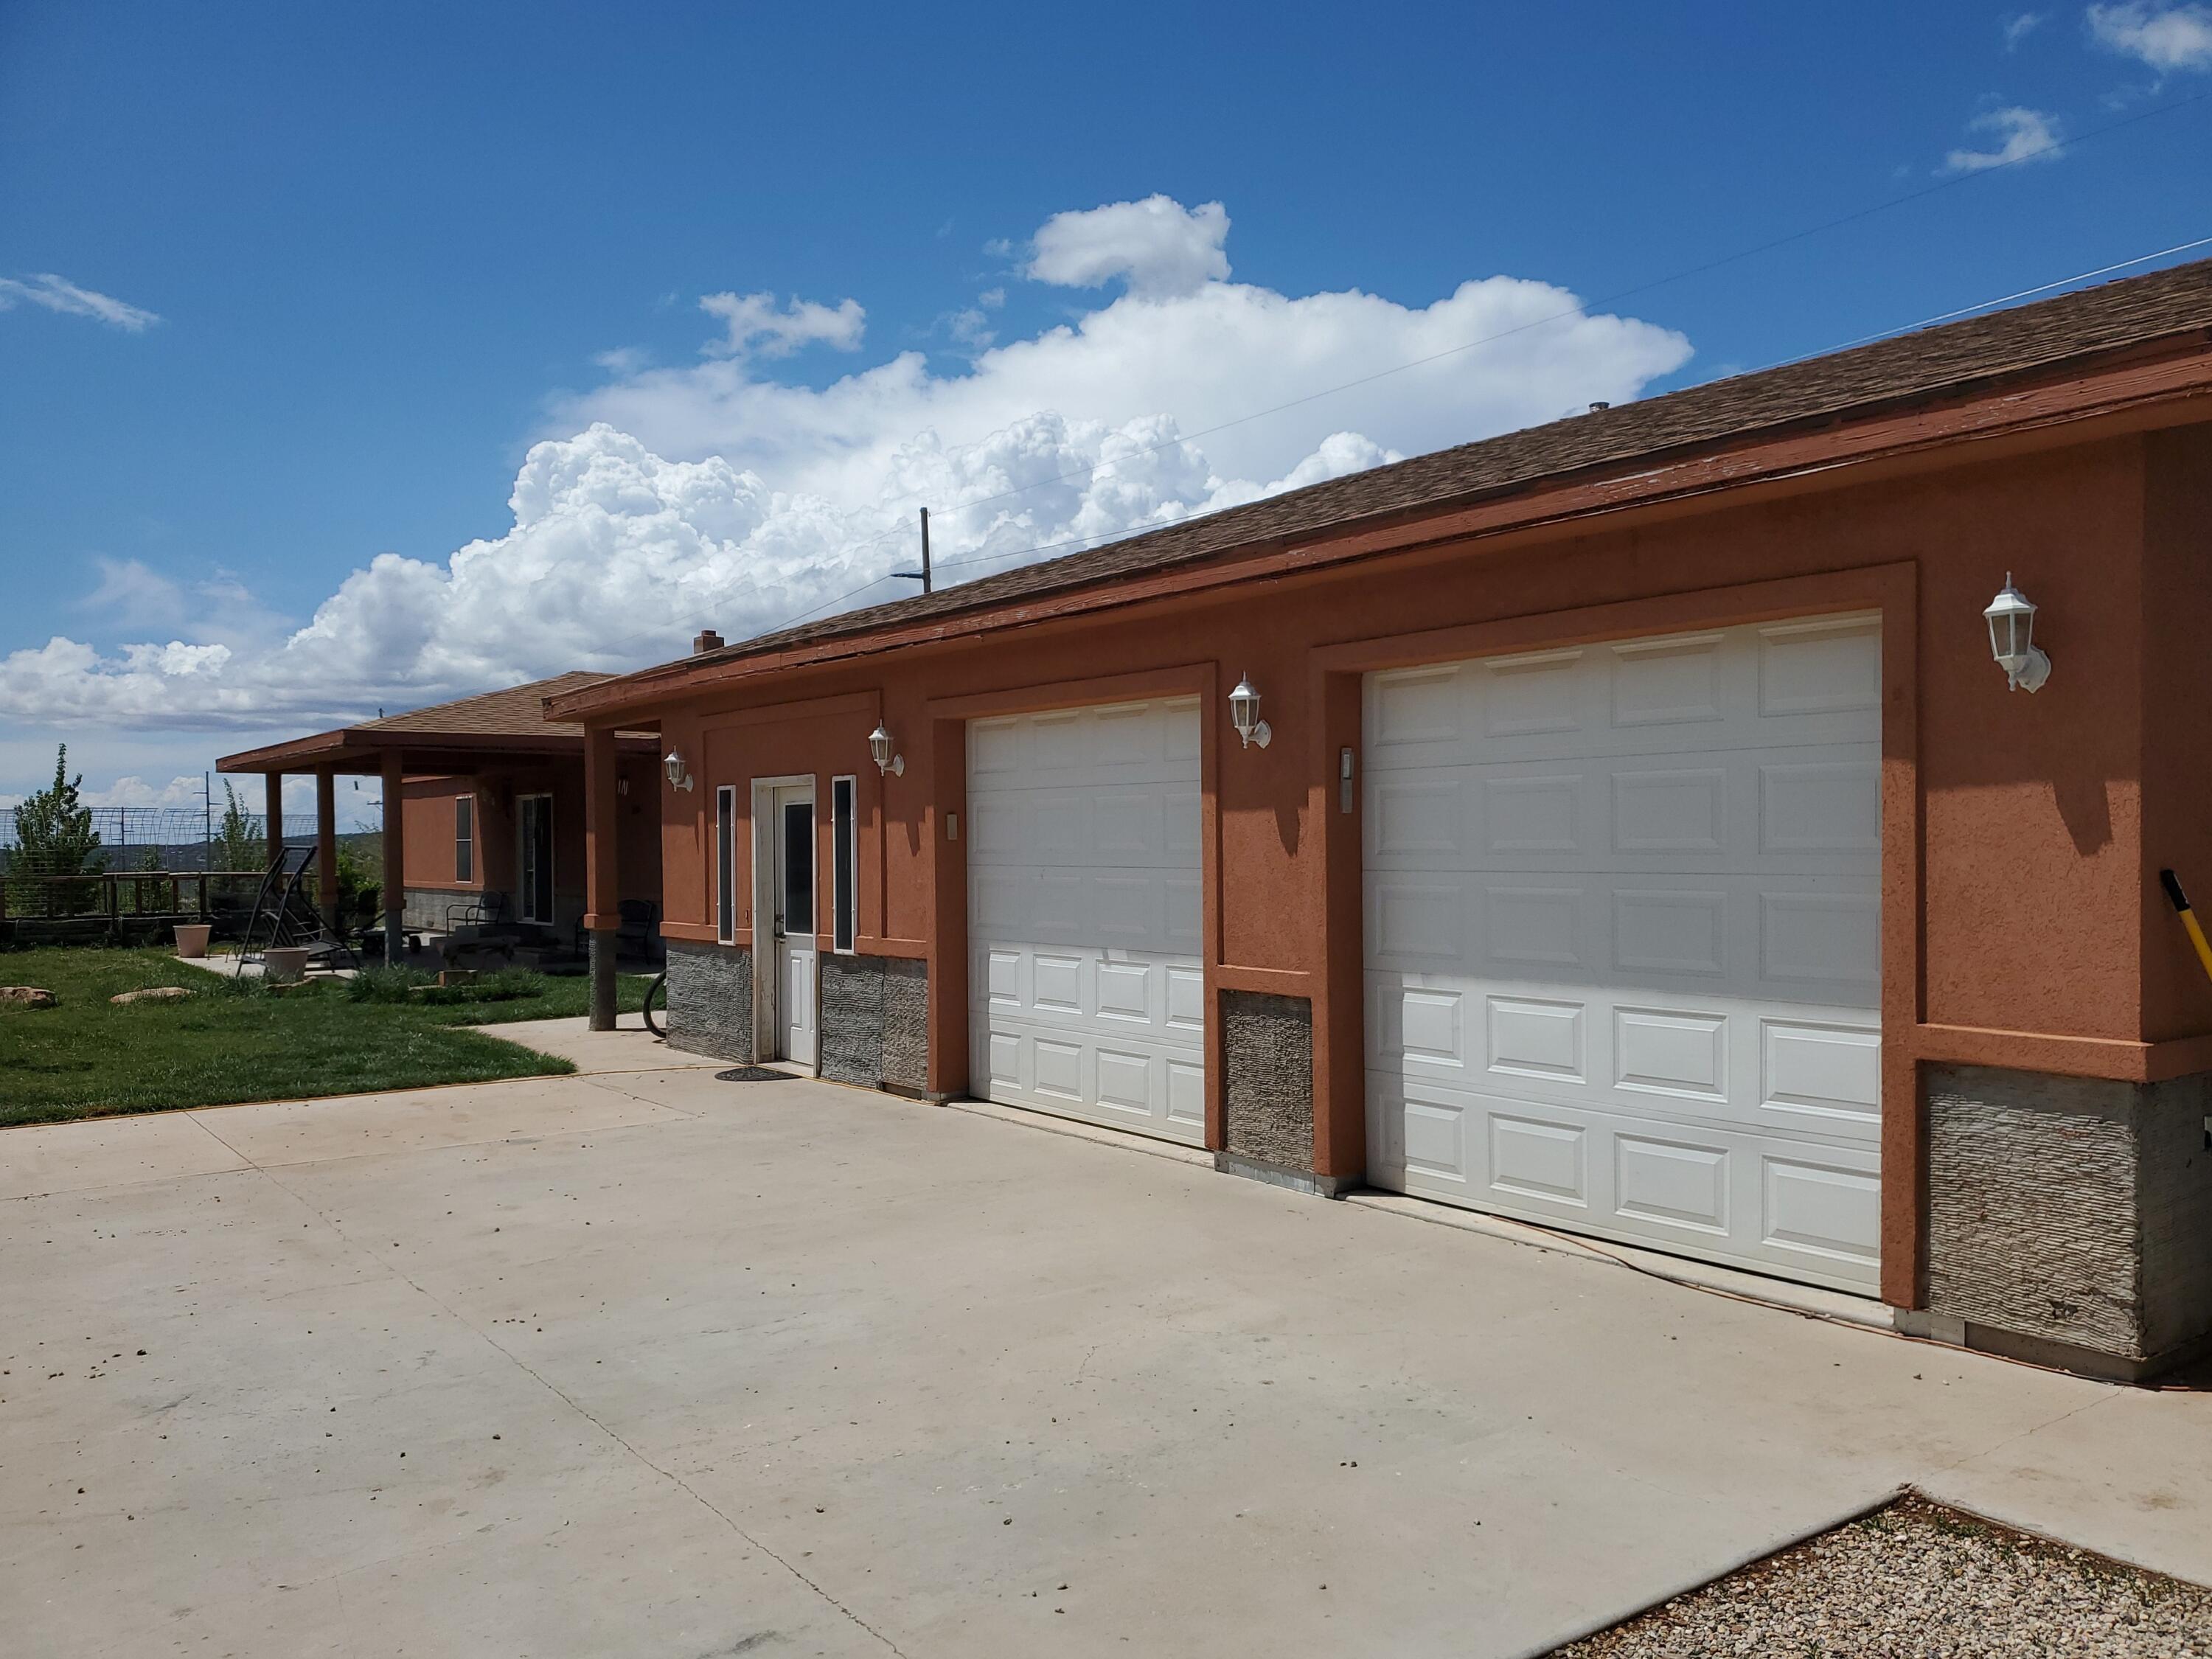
{"x": 360, "y": 745}
{"x": 1643, "y": 478}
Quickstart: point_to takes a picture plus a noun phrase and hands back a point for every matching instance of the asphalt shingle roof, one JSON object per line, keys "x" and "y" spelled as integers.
{"x": 1949, "y": 358}
{"x": 517, "y": 712}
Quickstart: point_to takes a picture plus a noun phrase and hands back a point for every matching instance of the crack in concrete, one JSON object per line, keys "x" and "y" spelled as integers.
{"x": 642, "y": 1100}
{"x": 2030, "y": 1432}
{"x": 556, "y": 1391}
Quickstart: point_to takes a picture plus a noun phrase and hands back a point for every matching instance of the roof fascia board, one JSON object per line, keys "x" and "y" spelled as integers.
{"x": 1799, "y": 447}
{"x": 363, "y": 748}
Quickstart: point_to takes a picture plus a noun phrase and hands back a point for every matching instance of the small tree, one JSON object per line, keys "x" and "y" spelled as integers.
{"x": 54, "y": 837}
{"x": 238, "y": 843}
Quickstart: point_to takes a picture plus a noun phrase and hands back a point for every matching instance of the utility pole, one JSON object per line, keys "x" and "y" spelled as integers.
{"x": 922, "y": 574}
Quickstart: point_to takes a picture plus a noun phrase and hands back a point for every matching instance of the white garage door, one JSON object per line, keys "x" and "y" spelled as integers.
{"x": 1622, "y": 941}
{"x": 1087, "y": 997}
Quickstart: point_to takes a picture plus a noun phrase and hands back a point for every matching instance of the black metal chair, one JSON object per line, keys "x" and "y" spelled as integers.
{"x": 487, "y": 909}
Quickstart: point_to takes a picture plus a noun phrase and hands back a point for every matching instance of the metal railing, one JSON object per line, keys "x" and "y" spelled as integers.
{"x": 198, "y": 895}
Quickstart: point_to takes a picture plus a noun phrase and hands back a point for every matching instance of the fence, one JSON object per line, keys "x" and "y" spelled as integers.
{"x": 129, "y": 861}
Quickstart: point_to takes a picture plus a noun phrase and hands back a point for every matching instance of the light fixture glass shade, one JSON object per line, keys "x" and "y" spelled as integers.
{"x": 1244, "y": 714}
{"x": 1244, "y": 708}
{"x": 673, "y": 765}
{"x": 880, "y": 747}
{"x": 2011, "y": 618}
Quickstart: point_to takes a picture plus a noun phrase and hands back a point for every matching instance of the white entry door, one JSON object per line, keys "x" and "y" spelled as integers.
{"x": 1622, "y": 936}
{"x": 1085, "y": 984}
{"x": 794, "y": 885}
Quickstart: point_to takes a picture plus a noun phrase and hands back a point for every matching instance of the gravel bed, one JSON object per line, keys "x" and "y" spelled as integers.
{"x": 1921, "y": 1580}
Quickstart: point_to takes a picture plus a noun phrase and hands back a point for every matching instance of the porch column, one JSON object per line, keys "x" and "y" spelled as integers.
{"x": 602, "y": 869}
{"x": 395, "y": 857}
{"x": 326, "y": 845}
{"x": 272, "y": 814}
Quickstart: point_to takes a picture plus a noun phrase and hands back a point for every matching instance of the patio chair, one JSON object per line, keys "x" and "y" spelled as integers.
{"x": 485, "y": 910}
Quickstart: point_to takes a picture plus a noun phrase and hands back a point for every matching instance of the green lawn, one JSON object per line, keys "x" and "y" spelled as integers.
{"x": 235, "y": 1041}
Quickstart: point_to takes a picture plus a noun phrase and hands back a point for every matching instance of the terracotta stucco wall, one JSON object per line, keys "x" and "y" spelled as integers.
{"x": 429, "y": 839}
{"x": 2033, "y": 866}
{"x": 2176, "y": 735}
{"x": 429, "y": 808}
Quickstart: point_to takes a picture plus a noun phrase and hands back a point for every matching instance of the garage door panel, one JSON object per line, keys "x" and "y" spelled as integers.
{"x": 1813, "y": 940}
{"x": 1787, "y": 684}
{"x": 1116, "y": 744}
{"x": 1818, "y": 668}
{"x": 1822, "y": 1211}
{"x": 1623, "y": 939}
{"x": 1805, "y": 1210}
{"x": 1085, "y": 916}
{"x": 1803, "y": 809}
{"x": 1082, "y": 829}
{"x": 1726, "y": 1061}
{"x": 1815, "y": 1072}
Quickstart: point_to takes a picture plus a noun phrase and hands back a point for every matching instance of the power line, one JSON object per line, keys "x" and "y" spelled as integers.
{"x": 1020, "y": 555}
{"x": 1581, "y": 309}
{"x": 2001, "y": 300}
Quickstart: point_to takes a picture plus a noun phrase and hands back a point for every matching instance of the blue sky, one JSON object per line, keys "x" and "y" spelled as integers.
{"x": 285, "y": 289}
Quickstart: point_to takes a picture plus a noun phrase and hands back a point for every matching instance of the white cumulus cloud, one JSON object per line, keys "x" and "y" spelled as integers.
{"x": 716, "y": 493}
{"x": 2165, "y": 37}
{"x": 754, "y": 324}
{"x": 2021, "y": 134}
{"x": 59, "y": 293}
{"x": 1158, "y": 246}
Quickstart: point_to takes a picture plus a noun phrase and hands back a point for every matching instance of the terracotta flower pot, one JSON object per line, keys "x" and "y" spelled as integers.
{"x": 193, "y": 938}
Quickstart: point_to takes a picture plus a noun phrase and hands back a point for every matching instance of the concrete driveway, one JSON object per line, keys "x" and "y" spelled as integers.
{"x": 638, "y": 1363}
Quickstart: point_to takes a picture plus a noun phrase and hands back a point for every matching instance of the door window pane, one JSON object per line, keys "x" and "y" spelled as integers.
{"x": 799, "y": 866}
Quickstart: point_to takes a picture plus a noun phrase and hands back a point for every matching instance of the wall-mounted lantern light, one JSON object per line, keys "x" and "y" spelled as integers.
{"x": 679, "y": 778}
{"x": 879, "y": 747}
{"x": 2012, "y": 638}
{"x": 1244, "y": 714}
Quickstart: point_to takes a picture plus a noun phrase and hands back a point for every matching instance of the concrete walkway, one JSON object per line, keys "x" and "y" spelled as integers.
{"x": 640, "y": 1363}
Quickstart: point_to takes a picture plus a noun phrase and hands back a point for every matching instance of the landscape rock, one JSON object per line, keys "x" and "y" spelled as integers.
{"x": 152, "y": 993}
{"x": 27, "y": 996}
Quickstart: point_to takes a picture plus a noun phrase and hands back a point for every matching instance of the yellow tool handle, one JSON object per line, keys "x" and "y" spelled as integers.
{"x": 2167, "y": 879}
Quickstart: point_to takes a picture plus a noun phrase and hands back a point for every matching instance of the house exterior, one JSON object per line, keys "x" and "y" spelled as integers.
{"x": 1641, "y": 840}
{"x": 489, "y": 823}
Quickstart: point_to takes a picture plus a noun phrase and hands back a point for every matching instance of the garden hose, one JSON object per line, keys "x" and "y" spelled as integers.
{"x": 2172, "y": 886}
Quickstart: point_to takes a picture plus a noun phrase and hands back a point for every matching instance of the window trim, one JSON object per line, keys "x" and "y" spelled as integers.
{"x": 465, "y": 838}
{"x": 726, "y": 864}
{"x": 844, "y": 864}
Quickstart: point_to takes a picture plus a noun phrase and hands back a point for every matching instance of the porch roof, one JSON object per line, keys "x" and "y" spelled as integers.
{"x": 462, "y": 736}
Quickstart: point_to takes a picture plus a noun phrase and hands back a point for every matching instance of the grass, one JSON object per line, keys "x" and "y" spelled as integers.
{"x": 237, "y": 1039}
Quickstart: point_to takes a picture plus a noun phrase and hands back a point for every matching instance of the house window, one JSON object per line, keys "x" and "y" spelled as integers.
{"x": 465, "y": 838}
{"x": 844, "y": 884}
{"x": 726, "y": 864}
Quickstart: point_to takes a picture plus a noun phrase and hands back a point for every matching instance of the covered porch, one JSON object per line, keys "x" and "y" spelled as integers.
{"x": 484, "y": 834}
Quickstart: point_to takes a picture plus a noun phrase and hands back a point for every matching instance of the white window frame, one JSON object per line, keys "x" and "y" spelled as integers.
{"x": 844, "y": 865}
{"x": 465, "y": 838}
{"x": 726, "y": 864}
